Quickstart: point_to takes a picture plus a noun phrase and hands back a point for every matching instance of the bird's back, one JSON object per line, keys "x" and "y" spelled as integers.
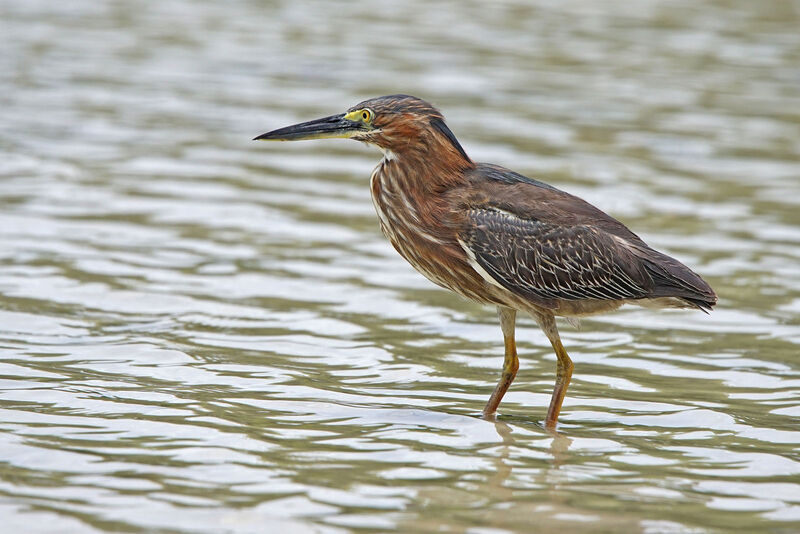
{"x": 556, "y": 249}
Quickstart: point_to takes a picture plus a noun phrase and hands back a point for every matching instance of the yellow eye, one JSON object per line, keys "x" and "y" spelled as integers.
{"x": 364, "y": 115}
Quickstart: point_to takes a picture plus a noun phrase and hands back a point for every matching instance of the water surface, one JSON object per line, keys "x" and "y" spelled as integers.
{"x": 199, "y": 333}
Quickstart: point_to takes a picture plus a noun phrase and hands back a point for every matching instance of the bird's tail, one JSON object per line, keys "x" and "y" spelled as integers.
{"x": 671, "y": 278}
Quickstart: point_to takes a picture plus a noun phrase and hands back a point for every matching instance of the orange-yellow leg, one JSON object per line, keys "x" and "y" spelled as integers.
{"x": 511, "y": 363}
{"x": 563, "y": 370}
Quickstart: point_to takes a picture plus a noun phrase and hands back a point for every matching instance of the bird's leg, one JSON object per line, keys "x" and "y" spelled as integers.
{"x": 563, "y": 369}
{"x": 511, "y": 363}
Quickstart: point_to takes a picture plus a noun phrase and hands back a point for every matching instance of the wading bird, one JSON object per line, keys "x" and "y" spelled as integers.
{"x": 500, "y": 238}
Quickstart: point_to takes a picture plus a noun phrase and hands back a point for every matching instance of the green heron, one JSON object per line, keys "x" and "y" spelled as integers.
{"x": 498, "y": 237}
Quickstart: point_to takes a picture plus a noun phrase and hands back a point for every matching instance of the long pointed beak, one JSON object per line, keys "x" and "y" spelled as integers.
{"x": 335, "y": 126}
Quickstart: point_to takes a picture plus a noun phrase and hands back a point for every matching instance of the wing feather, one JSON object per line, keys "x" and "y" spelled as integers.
{"x": 548, "y": 260}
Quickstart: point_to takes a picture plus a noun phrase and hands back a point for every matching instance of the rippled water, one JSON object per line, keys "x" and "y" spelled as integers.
{"x": 199, "y": 333}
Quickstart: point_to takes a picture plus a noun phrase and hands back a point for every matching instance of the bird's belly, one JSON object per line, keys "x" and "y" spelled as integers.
{"x": 433, "y": 260}
{"x": 435, "y": 255}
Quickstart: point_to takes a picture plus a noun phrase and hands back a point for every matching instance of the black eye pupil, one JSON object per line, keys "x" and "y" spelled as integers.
{"x": 364, "y": 115}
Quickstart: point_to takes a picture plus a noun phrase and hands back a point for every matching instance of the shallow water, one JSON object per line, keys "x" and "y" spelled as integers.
{"x": 199, "y": 333}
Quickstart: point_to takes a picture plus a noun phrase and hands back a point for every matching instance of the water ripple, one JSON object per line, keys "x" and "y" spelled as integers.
{"x": 203, "y": 334}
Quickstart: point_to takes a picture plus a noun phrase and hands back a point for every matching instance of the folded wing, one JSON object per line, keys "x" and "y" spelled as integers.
{"x": 542, "y": 243}
{"x": 545, "y": 260}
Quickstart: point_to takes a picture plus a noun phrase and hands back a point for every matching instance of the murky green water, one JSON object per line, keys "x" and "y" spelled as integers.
{"x": 199, "y": 333}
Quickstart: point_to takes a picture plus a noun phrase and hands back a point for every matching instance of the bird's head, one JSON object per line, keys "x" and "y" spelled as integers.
{"x": 395, "y": 123}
